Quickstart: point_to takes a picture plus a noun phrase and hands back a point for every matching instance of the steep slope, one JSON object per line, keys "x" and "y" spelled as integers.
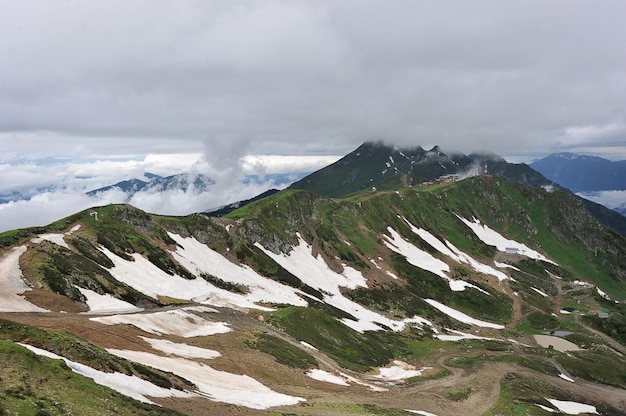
{"x": 302, "y": 304}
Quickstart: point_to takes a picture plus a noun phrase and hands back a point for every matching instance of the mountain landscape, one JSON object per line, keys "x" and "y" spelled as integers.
{"x": 589, "y": 176}
{"x": 392, "y": 282}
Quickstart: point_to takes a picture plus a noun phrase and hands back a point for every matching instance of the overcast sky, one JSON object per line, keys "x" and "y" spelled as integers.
{"x": 116, "y": 87}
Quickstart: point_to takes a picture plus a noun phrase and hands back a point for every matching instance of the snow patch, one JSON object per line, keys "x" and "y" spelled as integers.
{"x": 173, "y": 322}
{"x": 181, "y": 350}
{"x": 564, "y": 377}
{"x": 130, "y": 386}
{"x": 219, "y": 386}
{"x": 321, "y": 375}
{"x": 12, "y": 284}
{"x": 572, "y": 408}
{"x": 313, "y": 271}
{"x": 399, "y": 371}
{"x": 545, "y": 295}
{"x": 505, "y": 266}
{"x": 200, "y": 259}
{"x": 102, "y": 304}
{"x": 53, "y": 238}
{"x": 460, "y": 316}
{"x": 492, "y": 238}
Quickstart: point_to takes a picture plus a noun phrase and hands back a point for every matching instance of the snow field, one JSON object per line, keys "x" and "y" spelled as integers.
{"x": 145, "y": 277}
{"x": 493, "y": 238}
{"x": 213, "y": 384}
{"x": 199, "y": 258}
{"x": 131, "y": 386}
{"x": 12, "y": 284}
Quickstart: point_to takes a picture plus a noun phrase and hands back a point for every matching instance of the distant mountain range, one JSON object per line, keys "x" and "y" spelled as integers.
{"x": 581, "y": 173}
{"x": 156, "y": 183}
{"x": 589, "y": 176}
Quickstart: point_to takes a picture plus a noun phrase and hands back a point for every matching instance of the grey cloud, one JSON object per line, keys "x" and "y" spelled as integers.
{"x": 313, "y": 76}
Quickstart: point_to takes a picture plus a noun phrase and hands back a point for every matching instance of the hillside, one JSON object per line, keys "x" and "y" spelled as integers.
{"x": 479, "y": 296}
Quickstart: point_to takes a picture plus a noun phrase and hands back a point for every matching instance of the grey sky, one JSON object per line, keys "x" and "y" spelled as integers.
{"x": 292, "y": 77}
{"x": 114, "y": 88}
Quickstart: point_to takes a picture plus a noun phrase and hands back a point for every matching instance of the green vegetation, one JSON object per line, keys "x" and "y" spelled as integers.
{"x": 79, "y": 350}
{"x": 34, "y": 386}
{"x": 597, "y": 365}
{"x": 349, "y": 348}
{"x": 281, "y": 350}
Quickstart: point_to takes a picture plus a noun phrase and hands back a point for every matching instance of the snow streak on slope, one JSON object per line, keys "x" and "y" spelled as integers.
{"x": 455, "y": 254}
{"x": 199, "y": 258}
{"x": 130, "y": 386}
{"x": 12, "y": 284}
{"x": 492, "y": 238}
{"x": 216, "y": 385}
{"x": 415, "y": 256}
{"x": 314, "y": 271}
{"x": 426, "y": 261}
{"x": 173, "y": 322}
{"x": 460, "y": 316}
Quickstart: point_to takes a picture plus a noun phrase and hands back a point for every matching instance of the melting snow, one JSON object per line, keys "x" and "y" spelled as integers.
{"x": 460, "y": 316}
{"x": 173, "y": 322}
{"x": 505, "y": 266}
{"x": 130, "y": 386}
{"x": 421, "y": 412}
{"x": 415, "y": 256}
{"x": 145, "y": 277}
{"x": 106, "y": 303}
{"x": 181, "y": 350}
{"x": 53, "y": 238}
{"x": 199, "y": 258}
{"x": 572, "y": 408}
{"x": 460, "y": 336}
{"x": 564, "y": 377}
{"x": 321, "y": 375}
{"x": 12, "y": 284}
{"x": 314, "y": 271}
{"x": 216, "y": 385}
{"x": 399, "y": 371}
{"x": 492, "y": 238}
{"x": 545, "y": 295}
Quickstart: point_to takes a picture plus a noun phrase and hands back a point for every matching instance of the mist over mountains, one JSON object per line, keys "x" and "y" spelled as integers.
{"x": 594, "y": 178}
{"x": 419, "y": 274}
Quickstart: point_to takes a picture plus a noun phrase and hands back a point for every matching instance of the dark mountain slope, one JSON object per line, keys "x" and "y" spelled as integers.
{"x": 583, "y": 173}
{"x": 373, "y": 164}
